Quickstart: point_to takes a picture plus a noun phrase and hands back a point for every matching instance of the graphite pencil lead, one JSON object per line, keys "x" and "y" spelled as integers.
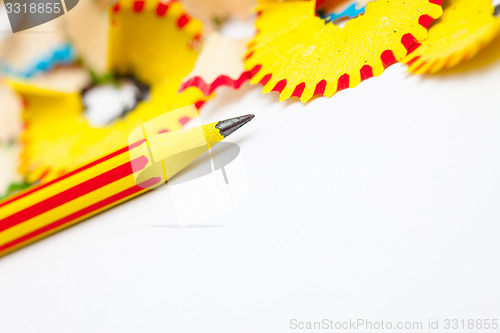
{"x": 228, "y": 126}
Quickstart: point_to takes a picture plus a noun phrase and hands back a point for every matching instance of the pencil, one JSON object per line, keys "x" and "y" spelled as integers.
{"x": 105, "y": 182}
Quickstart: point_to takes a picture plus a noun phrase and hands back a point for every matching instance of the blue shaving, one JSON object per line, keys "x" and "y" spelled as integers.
{"x": 64, "y": 54}
{"x": 349, "y": 12}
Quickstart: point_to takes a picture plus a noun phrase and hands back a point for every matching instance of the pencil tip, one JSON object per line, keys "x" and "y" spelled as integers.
{"x": 228, "y": 126}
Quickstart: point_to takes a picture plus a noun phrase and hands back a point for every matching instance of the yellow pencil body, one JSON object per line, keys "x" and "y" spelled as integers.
{"x": 99, "y": 185}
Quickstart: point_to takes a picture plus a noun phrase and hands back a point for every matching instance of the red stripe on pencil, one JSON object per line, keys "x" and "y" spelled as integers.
{"x": 72, "y": 173}
{"x": 81, "y": 213}
{"x": 75, "y": 192}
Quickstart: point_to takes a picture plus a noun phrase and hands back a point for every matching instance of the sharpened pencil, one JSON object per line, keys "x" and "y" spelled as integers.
{"x": 105, "y": 182}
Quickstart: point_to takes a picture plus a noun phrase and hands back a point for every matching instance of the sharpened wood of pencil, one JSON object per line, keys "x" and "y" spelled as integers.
{"x": 105, "y": 182}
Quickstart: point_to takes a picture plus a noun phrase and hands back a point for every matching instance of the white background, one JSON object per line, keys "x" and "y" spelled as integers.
{"x": 380, "y": 203}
